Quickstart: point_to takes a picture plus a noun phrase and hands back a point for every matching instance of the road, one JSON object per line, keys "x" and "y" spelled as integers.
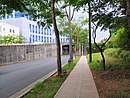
{"x": 17, "y": 76}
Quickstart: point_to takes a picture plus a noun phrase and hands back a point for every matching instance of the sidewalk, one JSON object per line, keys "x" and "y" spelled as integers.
{"x": 79, "y": 84}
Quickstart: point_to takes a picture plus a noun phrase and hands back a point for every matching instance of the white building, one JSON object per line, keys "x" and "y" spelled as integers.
{"x": 7, "y": 29}
{"x": 30, "y": 30}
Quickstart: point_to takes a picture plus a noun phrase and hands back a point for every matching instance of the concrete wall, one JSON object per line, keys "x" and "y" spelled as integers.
{"x": 21, "y": 53}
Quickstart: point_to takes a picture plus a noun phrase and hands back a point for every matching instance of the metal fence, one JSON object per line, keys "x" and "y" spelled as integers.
{"x": 20, "y": 53}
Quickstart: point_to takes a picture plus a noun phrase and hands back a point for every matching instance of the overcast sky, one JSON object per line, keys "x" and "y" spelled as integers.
{"x": 100, "y": 34}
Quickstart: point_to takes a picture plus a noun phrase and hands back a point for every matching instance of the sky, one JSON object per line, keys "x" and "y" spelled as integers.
{"x": 100, "y": 34}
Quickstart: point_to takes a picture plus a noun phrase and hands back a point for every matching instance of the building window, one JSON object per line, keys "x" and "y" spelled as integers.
{"x": 39, "y": 29}
{"x": 61, "y": 40}
{"x": 33, "y": 38}
{"x": 50, "y": 39}
{"x": 39, "y": 38}
{"x": 0, "y": 28}
{"x": 13, "y": 31}
{"x": 3, "y": 29}
{"x": 47, "y": 39}
{"x": 47, "y": 32}
{"x": 36, "y": 37}
{"x": 44, "y": 39}
{"x": 50, "y": 31}
{"x": 30, "y": 27}
{"x": 36, "y": 29}
{"x": 33, "y": 28}
{"x": 44, "y": 31}
{"x": 10, "y": 30}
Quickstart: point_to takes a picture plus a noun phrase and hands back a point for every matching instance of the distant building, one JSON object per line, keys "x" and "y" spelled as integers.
{"x": 30, "y": 29}
{"x": 7, "y": 29}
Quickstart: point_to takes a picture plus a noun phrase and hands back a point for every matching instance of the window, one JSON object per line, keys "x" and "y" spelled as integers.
{"x": 47, "y": 39}
{"x": 3, "y": 29}
{"x": 50, "y": 31}
{"x": 39, "y": 29}
{"x": 36, "y": 37}
{"x": 44, "y": 31}
{"x": 30, "y": 27}
{"x": 10, "y": 30}
{"x": 33, "y": 28}
{"x": 36, "y": 29}
{"x": 61, "y": 40}
{"x": 0, "y": 28}
{"x": 50, "y": 39}
{"x": 44, "y": 39}
{"x": 39, "y": 38}
{"x": 33, "y": 38}
{"x": 47, "y": 32}
{"x": 13, "y": 31}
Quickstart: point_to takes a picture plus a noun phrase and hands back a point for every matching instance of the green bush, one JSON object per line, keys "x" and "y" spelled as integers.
{"x": 118, "y": 52}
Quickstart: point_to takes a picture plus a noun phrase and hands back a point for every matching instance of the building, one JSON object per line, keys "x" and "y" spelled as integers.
{"x": 7, "y": 29}
{"x": 30, "y": 29}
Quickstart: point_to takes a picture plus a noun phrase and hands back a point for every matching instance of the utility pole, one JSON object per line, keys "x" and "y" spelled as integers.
{"x": 90, "y": 45}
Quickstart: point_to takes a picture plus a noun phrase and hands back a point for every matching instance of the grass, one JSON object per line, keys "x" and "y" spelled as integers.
{"x": 95, "y": 64}
{"x": 115, "y": 81}
{"x": 111, "y": 62}
{"x": 49, "y": 87}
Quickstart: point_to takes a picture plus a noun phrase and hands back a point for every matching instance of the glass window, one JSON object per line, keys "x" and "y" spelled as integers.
{"x": 39, "y": 29}
{"x": 50, "y": 39}
{"x": 13, "y": 31}
{"x": 0, "y": 28}
{"x": 50, "y": 31}
{"x": 36, "y": 37}
{"x": 47, "y": 32}
{"x": 3, "y": 29}
{"x": 10, "y": 30}
{"x": 47, "y": 39}
{"x": 44, "y": 39}
{"x": 33, "y": 38}
{"x": 44, "y": 31}
{"x": 39, "y": 38}
{"x": 61, "y": 40}
{"x": 36, "y": 29}
{"x": 33, "y": 28}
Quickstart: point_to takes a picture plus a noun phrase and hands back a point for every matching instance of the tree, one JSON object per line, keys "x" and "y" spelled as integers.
{"x": 100, "y": 47}
{"x": 57, "y": 38}
{"x": 9, "y": 39}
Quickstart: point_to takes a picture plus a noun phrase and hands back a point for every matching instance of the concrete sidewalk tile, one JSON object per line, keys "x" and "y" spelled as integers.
{"x": 79, "y": 84}
{"x": 88, "y": 94}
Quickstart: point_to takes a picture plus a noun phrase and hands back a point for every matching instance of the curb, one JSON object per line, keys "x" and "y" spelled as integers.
{"x": 29, "y": 87}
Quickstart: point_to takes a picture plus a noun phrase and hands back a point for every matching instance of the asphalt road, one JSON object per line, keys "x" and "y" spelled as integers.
{"x": 17, "y": 76}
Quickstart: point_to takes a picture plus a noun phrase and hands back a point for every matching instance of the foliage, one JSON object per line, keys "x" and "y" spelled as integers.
{"x": 119, "y": 39}
{"x": 109, "y": 13}
{"x": 111, "y": 62}
{"x": 11, "y": 39}
{"x": 95, "y": 64}
{"x": 118, "y": 53}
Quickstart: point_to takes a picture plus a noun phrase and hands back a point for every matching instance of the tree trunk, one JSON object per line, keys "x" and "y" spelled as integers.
{"x": 103, "y": 59}
{"x": 128, "y": 12}
{"x": 59, "y": 68}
